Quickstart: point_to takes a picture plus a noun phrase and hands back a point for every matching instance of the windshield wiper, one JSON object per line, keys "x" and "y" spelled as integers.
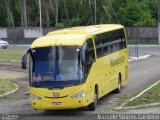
{"x": 38, "y": 84}
{"x": 55, "y": 87}
{"x": 61, "y": 87}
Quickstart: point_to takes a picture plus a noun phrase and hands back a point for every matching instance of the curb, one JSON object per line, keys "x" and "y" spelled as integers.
{"x": 12, "y": 61}
{"x": 10, "y": 92}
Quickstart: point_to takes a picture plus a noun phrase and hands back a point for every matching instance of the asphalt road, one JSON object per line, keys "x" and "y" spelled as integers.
{"x": 141, "y": 73}
{"x": 143, "y": 50}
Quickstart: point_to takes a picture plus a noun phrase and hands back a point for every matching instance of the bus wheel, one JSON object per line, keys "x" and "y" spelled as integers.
{"x": 92, "y": 106}
{"x": 118, "y": 90}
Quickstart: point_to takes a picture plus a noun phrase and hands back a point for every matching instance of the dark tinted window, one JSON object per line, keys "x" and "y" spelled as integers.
{"x": 90, "y": 57}
{"x": 57, "y": 63}
{"x": 110, "y": 42}
{"x": 90, "y": 54}
{"x": 99, "y": 46}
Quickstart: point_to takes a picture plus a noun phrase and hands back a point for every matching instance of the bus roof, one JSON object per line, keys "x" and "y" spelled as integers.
{"x": 74, "y": 35}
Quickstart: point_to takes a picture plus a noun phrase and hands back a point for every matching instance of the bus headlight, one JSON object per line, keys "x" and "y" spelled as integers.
{"x": 34, "y": 97}
{"x": 79, "y": 95}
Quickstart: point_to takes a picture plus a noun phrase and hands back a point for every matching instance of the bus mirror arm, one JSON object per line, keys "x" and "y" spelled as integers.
{"x": 83, "y": 58}
{"x": 83, "y": 55}
{"x": 24, "y": 59}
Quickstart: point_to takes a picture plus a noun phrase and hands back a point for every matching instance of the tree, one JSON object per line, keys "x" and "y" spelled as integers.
{"x": 9, "y": 14}
{"x": 56, "y": 5}
{"x": 78, "y": 12}
{"x": 24, "y": 14}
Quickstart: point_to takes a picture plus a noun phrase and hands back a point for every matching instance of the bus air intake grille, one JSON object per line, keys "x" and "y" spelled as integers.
{"x": 56, "y": 97}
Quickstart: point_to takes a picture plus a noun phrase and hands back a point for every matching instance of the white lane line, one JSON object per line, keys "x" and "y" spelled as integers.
{"x": 138, "y": 58}
{"x": 137, "y": 95}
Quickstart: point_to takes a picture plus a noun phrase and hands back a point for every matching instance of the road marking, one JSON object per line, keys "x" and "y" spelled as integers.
{"x": 140, "y": 57}
{"x": 141, "y": 93}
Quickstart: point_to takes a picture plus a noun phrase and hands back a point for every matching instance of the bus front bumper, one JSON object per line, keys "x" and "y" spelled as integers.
{"x": 55, "y": 104}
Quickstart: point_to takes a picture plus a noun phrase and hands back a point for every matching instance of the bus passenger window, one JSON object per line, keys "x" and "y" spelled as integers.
{"x": 90, "y": 54}
{"x": 99, "y": 51}
{"x": 111, "y": 48}
{"x": 114, "y": 47}
{"x": 106, "y": 50}
{"x": 99, "y": 45}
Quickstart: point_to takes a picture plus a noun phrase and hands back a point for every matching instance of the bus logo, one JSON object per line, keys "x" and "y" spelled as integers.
{"x": 117, "y": 61}
{"x": 56, "y": 95}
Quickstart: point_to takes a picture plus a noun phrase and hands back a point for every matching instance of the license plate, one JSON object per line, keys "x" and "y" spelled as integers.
{"x": 56, "y": 103}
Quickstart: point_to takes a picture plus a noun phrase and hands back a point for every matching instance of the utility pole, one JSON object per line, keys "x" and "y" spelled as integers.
{"x": 158, "y": 5}
{"x": 40, "y": 18}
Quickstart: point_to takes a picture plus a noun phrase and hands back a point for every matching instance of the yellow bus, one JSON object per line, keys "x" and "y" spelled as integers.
{"x": 75, "y": 67}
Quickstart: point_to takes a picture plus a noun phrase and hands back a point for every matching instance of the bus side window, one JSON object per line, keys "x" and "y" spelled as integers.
{"x": 115, "y": 47}
{"x": 105, "y": 42}
{"x": 99, "y": 45}
{"x": 90, "y": 57}
{"x": 123, "y": 40}
{"x": 90, "y": 53}
{"x": 106, "y": 50}
{"x": 111, "y": 48}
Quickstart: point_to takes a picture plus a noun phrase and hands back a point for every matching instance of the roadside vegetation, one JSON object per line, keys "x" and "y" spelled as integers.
{"x": 6, "y": 86}
{"x": 11, "y": 54}
{"x": 151, "y": 96}
{"x": 25, "y": 13}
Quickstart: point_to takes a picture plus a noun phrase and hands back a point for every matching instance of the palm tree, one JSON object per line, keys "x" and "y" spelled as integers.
{"x": 56, "y": 6}
{"x": 23, "y": 14}
{"x": 113, "y": 11}
{"x": 9, "y": 14}
{"x": 66, "y": 10}
{"x": 95, "y": 10}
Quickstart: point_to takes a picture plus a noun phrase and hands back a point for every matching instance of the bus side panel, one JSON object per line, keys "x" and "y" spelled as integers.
{"x": 121, "y": 69}
{"x": 99, "y": 75}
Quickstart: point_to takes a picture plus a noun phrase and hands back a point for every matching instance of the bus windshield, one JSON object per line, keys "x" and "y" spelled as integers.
{"x": 57, "y": 66}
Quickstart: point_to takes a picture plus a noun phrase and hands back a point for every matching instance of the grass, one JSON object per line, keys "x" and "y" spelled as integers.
{"x": 124, "y": 98}
{"x": 151, "y": 96}
{"x": 121, "y": 100}
{"x": 11, "y": 54}
{"x": 6, "y": 86}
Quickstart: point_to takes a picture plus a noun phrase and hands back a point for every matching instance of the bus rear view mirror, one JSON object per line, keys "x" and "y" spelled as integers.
{"x": 83, "y": 55}
{"x": 24, "y": 59}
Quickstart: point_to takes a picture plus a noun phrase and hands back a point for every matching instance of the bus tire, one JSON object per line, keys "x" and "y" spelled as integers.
{"x": 4, "y": 47}
{"x": 118, "y": 90}
{"x": 92, "y": 106}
